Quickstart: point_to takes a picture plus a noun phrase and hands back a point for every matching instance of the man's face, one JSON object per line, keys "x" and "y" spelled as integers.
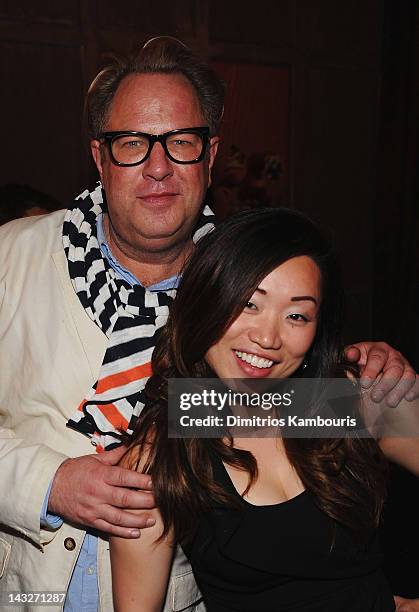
{"x": 153, "y": 206}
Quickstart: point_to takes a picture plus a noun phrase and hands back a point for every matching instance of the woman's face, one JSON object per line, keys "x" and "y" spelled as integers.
{"x": 270, "y": 338}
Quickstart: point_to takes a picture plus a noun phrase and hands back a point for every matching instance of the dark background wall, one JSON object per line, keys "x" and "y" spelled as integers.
{"x": 342, "y": 75}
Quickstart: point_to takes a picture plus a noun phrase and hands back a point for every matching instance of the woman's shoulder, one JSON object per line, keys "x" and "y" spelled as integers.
{"x": 137, "y": 455}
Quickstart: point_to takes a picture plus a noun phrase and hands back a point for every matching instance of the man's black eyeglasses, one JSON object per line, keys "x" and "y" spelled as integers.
{"x": 183, "y": 146}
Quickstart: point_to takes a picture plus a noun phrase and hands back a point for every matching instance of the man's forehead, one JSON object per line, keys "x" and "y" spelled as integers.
{"x": 166, "y": 101}
{"x": 155, "y": 79}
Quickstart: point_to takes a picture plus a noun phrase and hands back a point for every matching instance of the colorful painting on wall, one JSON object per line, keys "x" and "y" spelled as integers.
{"x": 252, "y": 168}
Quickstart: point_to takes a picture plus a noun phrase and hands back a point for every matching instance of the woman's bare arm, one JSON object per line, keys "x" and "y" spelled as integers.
{"x": 397, "y": 430}
{"x": 403, "y": 451}
{"x": 141, "y": 567}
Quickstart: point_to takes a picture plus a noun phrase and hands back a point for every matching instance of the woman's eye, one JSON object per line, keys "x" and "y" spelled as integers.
{"x": 250, "y": 306}
{"x": 297, "y": 317}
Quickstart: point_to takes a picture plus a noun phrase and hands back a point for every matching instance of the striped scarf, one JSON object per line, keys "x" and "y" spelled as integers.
{"x": 131, "y": 318}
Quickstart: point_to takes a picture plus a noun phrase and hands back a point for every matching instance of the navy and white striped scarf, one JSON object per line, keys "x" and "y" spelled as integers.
{"x": 131, "y": 318}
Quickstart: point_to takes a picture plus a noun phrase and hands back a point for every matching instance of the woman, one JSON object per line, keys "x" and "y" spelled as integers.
{"x": 268, "y": 524}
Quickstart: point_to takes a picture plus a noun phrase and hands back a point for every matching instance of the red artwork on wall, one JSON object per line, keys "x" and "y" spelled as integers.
{"x": 252, "y": 168}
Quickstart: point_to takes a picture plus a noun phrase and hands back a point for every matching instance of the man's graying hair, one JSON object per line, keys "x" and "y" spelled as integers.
{"x": 161, "y": 55}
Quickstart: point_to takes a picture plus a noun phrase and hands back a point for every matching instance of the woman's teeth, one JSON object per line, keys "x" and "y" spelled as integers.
{"x": 253, "y": 360}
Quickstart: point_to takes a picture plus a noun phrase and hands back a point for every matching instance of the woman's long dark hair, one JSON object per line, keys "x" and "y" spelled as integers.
{"x": 346, "y": 476}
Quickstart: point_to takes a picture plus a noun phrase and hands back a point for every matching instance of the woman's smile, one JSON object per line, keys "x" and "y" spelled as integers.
{"x": 253, "y": 365}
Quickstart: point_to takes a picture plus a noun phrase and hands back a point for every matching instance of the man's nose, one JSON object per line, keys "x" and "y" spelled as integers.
{"x": 157, "y": 166}
{"x": 266, "y": 333}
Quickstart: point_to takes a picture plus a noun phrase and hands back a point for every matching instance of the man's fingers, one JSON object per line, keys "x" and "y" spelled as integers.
{"x": 398, "y": 601}
{"x": 406, "y": 605}
{"x": 401, "y": 388}
{"x": 387, "y": 382}
{"x": 115, "y": 530}
{"x": 377, "y": 359}
{"x": 124, "y": 518}
{"x": 121, "y": 477}
{"x": 352, "y": 354}
{"x": 126, "y": 498}
{"x": 414, "y": 391}
{"x": 112, "y": 457}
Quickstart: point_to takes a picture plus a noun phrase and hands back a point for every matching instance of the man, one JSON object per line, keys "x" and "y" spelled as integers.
{"x": 84, "y": 327}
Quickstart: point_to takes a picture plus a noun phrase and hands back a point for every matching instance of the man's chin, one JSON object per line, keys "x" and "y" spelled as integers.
{"x": 165, "y": 240}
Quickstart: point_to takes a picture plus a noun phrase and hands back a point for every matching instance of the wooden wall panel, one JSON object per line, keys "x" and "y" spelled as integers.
{"x": 340, "y": 32}
{"x": 122, "y": 29}
{"x": 270, "y": 22}
{"x": 256, "y": 118}
{"x": 334, "y": 180}
{"x": 336, "y": 89}
{"x": 338, "y": 149}
{"x": 333, "y": 54}
{"x": 26, "y": 12}
{"x": 148, "y": 16}
{"x": 42, "y": 118}
{"x": 396, "y": 232}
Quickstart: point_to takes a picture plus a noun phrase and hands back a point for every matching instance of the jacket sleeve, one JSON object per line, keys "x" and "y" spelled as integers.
{"x": 49, "y": 352}
{"x": 49, "y": 521}
{"x": 26, "y": 471}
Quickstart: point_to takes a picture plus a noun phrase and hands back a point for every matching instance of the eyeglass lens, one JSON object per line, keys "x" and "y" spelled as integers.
{"x": 182, "y": 146}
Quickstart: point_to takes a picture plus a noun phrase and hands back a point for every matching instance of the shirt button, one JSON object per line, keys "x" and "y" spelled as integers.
{"x": 91, "y": 570}
{"x": 69, "y": 544}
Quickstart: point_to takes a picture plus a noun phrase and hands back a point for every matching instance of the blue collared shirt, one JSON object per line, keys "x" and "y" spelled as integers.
{"x": 83, "y": 592}
{"x": 163, "y": 285}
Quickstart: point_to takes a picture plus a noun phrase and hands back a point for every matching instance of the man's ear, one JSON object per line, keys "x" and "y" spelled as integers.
{"x": 97, "y": 155}
{"x": 213, "y": 148}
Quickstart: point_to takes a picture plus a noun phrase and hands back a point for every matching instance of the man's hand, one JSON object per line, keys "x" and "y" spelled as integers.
{"x": 93, "y": 491}
{"x": 399, "y": 380}
{"x": 406, "y": 605}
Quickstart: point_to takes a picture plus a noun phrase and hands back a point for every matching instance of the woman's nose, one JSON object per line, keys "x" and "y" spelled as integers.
{"x": 266, "y": 333}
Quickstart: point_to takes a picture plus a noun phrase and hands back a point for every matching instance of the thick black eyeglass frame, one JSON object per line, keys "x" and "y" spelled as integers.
{"x": 109, "y": 137}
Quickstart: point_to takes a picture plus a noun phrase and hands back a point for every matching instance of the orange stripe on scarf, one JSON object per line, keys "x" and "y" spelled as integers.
{"x": 123, "y": 378}
{"x": 113, "y": 415}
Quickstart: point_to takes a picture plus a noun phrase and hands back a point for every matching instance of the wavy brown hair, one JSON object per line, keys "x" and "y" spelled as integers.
{"x": 346, "y": 476}
{"x": 160, "y": 55}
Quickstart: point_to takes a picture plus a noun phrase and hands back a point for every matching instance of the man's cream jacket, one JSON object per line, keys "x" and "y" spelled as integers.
{"x": 50, "y": 355}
